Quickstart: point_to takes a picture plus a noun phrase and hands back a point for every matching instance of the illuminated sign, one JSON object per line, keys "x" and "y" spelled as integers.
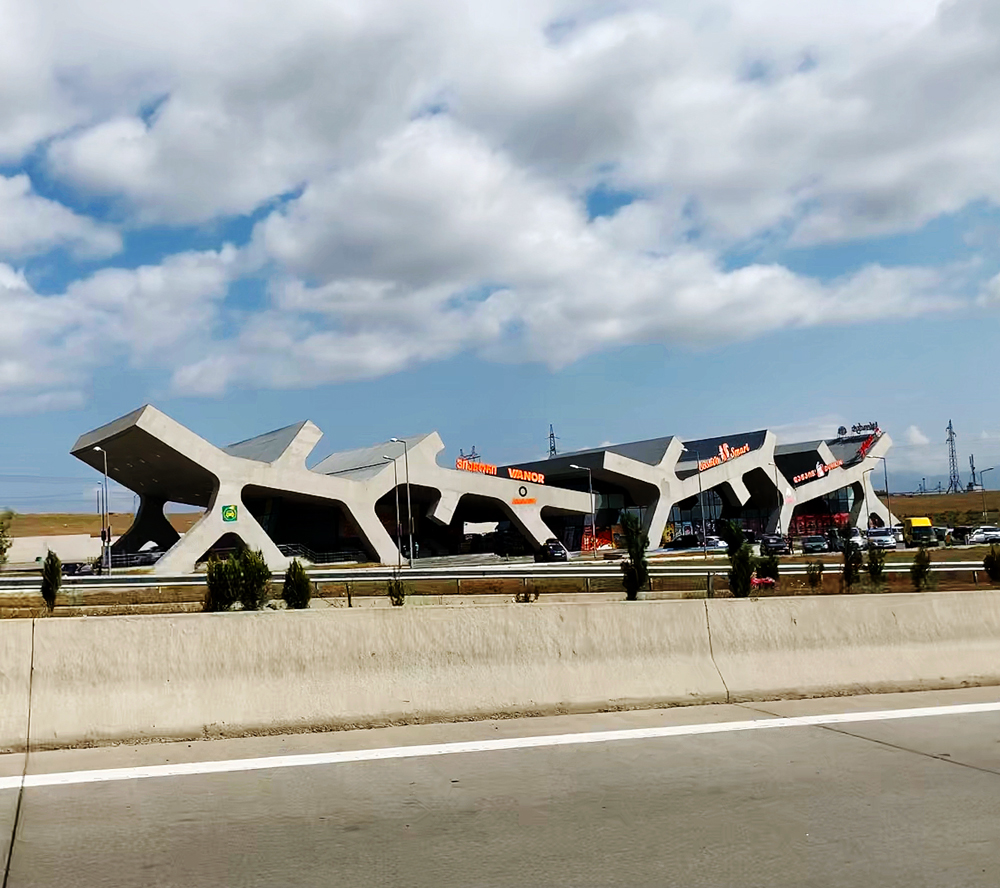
{"x": 868, "y": 444}
{"x": 467, "y": 465}
{"x": 523, "y": 501}
{"x": 229, "y": 513}
{"x": 725, "y": 454}
{"x": 521, "y": 475}
{"x": 819, "y": 472}
{"x": 862, "y": 427}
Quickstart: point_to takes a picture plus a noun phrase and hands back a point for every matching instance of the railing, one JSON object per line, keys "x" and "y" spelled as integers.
{"x": 514, "y": 571}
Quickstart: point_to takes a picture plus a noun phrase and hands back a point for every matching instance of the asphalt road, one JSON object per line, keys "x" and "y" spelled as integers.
{"x": 889, "y": 802}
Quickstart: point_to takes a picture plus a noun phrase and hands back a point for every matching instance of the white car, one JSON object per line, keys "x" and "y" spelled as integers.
{"x": 858, "y": 538}
{"x": 986, "y": 534}
{"x": 881, "y": 538}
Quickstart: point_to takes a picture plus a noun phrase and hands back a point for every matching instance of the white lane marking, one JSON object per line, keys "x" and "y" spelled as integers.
{"x": 190, "y": 769}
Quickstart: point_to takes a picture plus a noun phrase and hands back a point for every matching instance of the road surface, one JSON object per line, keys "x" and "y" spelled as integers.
{"x": 894, "y": 790}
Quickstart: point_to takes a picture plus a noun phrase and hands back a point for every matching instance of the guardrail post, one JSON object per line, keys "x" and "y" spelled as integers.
{"x": 708, "y": 584}
{"x": 588, "y": 585}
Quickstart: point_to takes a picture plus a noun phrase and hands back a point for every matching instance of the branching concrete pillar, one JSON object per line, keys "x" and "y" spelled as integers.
{"x": 150, "y": 525}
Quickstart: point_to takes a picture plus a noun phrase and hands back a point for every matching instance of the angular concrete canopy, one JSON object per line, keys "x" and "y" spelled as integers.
{"x": 162, "y": 461}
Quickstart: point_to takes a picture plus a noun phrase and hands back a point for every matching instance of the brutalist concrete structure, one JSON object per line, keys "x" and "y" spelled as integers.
{"x": 367, "y": 502}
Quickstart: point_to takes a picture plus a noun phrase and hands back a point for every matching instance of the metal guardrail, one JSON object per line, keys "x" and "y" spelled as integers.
{"x": 516, "y": 571}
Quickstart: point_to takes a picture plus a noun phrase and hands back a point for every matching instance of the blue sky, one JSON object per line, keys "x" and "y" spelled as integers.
{"x": 625, "y": 220}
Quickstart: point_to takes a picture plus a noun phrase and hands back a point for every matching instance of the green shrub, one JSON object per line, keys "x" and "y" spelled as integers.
{"x": 5, "y": 519}
{"x": 223, "y": 581}
{"x": 255, "y": 580}
{"x": 396, "y": 590}
{"x": 768, "y": 567}
{"x": 51, "y": 579}
{"x": 852, "y": 565}
{"x": 635, "y": 570}
{"x": 991, "y": 563}
{"x": 741, "y": 565}
{"x": 297, "y": 589}
{"x": 920, "y": 570}
{"x": 814, "y": 574}
{"x": 731, "y": 535}
{"x": 876, "y": 564}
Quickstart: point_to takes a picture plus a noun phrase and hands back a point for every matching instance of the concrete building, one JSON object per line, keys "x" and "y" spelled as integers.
{"x": 366, "y": 504}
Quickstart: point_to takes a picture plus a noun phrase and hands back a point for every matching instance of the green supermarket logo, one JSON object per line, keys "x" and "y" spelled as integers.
{"x": 229, "y": 513}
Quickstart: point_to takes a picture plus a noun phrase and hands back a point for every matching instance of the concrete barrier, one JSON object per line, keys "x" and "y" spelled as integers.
{"x": 121, "y": 678}
{"x": 99, "y": 680}
{"x": 852, "y": 644}
{"x": 15, "y": 681}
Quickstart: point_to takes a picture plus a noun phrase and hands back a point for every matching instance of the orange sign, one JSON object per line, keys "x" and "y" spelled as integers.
{"x": 467, "y": 465}
{"x": 523, "y": 501}
{"x": 725, "y": 454}
{"x": 521, "y": 475}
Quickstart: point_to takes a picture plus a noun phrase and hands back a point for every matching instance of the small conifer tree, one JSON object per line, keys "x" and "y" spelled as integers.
{"x": 51, "y": 579}
{"x": 297, "y": 589}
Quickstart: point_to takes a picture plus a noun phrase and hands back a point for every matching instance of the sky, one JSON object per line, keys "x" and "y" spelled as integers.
{"x": 626, "y": 219}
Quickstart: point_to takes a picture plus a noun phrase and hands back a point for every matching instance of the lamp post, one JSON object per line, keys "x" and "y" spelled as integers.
{"x": 982, "y": 484}
{"x": 395, "y": 490}
{"x": 106, "y": 517}
{"x": 409, "y": 509}
{"x": 701, "y": 503}
{"x": 868, "y": 511}
{"x": 888, "y": 498}
{"x": 593, "y": 504}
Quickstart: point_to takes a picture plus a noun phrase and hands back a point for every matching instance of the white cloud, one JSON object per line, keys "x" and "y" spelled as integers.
{"x": 916, "y": 437}
{"x": 31, "y": 224}
{"x": 150, "y": 316}
{"x": 440, "y": 157}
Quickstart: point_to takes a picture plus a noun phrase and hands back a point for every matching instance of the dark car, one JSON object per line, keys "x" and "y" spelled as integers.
{"x": 811, "y": 544}
{"x": 552, "y": 550}
{"x": 685, "y": 541}
{"x": 774, "y": 544}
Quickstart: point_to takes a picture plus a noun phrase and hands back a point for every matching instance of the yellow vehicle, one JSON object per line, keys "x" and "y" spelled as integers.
{"x": 918, "y": 532}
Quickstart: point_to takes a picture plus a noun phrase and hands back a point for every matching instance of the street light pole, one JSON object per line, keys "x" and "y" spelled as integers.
{"x": 982, "y": 484}
{"x": 701, "y": 503}
{"x": 395, "y": 490}
{"x": 888, "y": 498}
{"x": 593, "y": 504}
{"x": 868, "y": 511}
{"x": 106, "y": 517}
{"x": 409, "y": 508}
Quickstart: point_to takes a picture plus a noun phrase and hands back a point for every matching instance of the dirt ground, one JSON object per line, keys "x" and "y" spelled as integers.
{"x": 71, "y": 523}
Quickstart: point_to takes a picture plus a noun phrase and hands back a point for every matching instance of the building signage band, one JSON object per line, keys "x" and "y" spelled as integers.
{"x": 862, "y": 427}
{"x": 468, "y": 465}
{"x": 819, "y": 472}
{"x": 725, "y": 454}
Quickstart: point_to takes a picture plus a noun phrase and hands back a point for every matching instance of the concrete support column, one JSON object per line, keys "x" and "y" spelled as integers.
{"x": 373, "y": 532}
{"x": 655, "y": 518}
{"x": 529, "y": 522}
{"x": 212, "y": 527}
{"x": 150, "y": 525}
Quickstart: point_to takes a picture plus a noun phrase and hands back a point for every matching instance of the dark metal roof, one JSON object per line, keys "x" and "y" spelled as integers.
{"x": 268, "y": 447}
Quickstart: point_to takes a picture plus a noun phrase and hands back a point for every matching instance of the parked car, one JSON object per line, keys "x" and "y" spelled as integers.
{"x": 811, "y": 544}
{"x": 858, "y": 538}
{"x": 881, "y": 538}
{"x": 714, "y": 542}
{"x": 985, "y": 535}
{"x": 685, "y": 541}
{"x": 552, "y": 550}
{"x": 774, "y": 544}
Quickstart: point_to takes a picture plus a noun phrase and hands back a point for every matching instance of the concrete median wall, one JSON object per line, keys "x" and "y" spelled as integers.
{"x": 216, "y": 674}
{"x": 852, "y": 644}
{"x": 98, "y": 680}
